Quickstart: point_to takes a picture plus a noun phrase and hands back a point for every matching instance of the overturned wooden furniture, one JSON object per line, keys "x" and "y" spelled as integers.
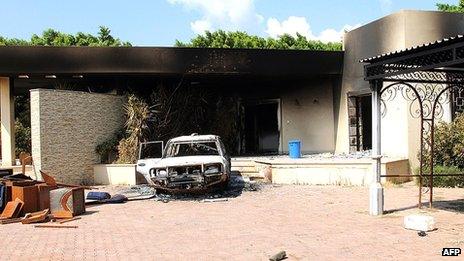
{"x": 67, "y": 202}
{"x": 34, "y": 194}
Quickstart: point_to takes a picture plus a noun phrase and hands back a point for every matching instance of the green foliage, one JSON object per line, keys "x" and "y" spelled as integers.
{"x": 448, "y": 153}
{"x": 51, "y": 37}
{"x": 443, "y": 181}
{"x": 22, "y": 138}
{"x": 108, "y": 149}
{"x": 22, "y": 124}
{"x": 459, "y": 8}
{"x": 449, "y": 143}
{"x": 222, "y": 39}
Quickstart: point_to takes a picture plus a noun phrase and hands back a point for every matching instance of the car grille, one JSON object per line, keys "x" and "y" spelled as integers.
{"x": 185, "y": 170}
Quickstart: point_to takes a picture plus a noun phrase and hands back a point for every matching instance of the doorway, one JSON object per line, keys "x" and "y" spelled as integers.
{"x": 360, "y": 122}
{"x": 262, "y": 127}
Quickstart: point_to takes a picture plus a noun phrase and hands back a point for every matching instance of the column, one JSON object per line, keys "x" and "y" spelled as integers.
{"x": 7, "y": 121}
{"x": 376, "y": 202}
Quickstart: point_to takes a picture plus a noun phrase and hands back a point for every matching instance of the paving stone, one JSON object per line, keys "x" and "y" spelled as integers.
{"x": 307, "y": 222}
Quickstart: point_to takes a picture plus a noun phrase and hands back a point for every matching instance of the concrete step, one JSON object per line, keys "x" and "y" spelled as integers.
{"x": 251, "y": 175}
{"x": 244, "y": 168}
{"x": 242, "y": 163}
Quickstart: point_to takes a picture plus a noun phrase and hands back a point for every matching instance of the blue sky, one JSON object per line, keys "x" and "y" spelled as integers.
{"x": 160, "y": 22}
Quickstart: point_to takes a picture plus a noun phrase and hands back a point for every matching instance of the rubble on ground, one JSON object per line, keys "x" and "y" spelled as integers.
{"x": 321, "y": 156}
{"x": 27, "y": 201}
{"x": 237, "y": 184}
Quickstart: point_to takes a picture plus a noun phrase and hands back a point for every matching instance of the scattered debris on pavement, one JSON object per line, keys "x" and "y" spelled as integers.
{"x": 209, "y": 200}
{"x": 237, "y": 184}
{"x": 279, "y": 256}
{"x": 69, "y": 220}
{"x": 419, "y": 222}
{"x": 28, "y": 201}
{"x": 422, "y": 234}
{"x": 54, "y": 226}
{"x": 36, "y": 217}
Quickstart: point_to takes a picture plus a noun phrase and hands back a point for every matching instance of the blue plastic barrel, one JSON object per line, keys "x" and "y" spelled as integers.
{"x": 294, "y": 149}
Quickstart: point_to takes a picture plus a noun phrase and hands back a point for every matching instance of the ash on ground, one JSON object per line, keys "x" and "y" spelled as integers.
{"x": 237, "y": 184}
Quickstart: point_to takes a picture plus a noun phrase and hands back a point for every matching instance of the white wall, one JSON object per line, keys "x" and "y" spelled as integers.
{"x": 400, "y": 132}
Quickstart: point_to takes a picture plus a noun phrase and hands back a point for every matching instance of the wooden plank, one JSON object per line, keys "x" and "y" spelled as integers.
{"x": 12, "y": 209}
{"x": 68, "y": 220}
{"x": 10, "y": 221}
{"x": 55, "y": 226}
{"x": 40, "y": 216}
{"x": 48, "y": 179}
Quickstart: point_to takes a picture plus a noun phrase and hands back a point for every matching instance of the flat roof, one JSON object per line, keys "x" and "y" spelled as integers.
{"x": 39, "y": 60}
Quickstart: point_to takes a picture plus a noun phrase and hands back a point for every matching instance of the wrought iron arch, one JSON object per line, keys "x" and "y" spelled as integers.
{"x": 430, "y": 99}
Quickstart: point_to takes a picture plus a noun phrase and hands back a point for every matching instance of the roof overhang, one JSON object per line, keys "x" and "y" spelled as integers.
{"x": 441, "y": 61}
{"x": 20, "y": 60}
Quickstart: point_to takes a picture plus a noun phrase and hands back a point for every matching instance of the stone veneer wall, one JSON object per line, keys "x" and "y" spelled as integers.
{"x": 67, "y": 126}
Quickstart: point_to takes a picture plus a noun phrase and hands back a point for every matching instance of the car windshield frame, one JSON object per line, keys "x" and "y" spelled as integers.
{"x": 168, "y": 152}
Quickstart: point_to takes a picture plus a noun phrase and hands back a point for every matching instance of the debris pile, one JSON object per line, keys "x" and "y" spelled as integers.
{"x": 27, "y": 201}
{"x": 237, "y": 184}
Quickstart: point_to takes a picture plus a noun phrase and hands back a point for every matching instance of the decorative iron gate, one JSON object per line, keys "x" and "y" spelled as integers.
{"x": 426, "y": 103}
{"x": 429, "y": 77}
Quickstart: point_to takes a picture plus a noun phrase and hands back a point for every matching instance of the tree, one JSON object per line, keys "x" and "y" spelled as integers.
{"x": 459, "y": 8}
{"x": 51, "y": 37}
{"x": 223, "y": 39}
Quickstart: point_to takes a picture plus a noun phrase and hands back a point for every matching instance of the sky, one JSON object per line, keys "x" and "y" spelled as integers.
{"x": 161, "y": 22}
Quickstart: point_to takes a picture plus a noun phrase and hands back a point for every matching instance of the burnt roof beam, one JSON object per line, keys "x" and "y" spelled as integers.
{"x": 167, "y": 61}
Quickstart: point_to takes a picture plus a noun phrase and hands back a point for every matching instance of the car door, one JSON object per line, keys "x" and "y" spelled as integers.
{"x": 149, "y": 154}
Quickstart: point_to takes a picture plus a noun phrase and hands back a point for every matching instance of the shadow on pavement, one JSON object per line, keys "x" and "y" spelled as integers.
{"x": 456, "y": 205}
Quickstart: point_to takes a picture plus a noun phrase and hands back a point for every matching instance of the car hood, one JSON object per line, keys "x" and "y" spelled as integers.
{"x": 188, "y": 160}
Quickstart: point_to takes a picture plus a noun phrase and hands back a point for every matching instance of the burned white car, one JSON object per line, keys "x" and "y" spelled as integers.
{"x": 188, "y": 163}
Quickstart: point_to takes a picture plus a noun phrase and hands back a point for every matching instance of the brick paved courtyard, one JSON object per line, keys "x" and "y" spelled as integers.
{"x": 308, "y": 222}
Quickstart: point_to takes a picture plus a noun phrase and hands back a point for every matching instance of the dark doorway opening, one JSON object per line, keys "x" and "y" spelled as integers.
{"x": 360, "y": 122}
{"x": 262, "y": 133}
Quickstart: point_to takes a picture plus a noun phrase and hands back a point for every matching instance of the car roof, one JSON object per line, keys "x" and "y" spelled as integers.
{"x": 194, "y": 138}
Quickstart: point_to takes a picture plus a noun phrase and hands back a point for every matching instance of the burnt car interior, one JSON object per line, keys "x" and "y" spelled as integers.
{"x": 192, "y": 149}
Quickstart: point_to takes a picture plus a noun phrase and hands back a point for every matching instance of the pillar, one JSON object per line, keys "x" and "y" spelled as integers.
{"x": 376, "y": 201}
{"x": 7, "y": 121}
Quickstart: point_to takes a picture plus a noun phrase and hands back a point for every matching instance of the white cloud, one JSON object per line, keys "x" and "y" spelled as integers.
{"x": 300, "y": 25}
{"x": 231, "y": 15}
{"x": 200, "y": 26}
{"x": 221, "y": 14}
{"x": 291, "y": 26}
